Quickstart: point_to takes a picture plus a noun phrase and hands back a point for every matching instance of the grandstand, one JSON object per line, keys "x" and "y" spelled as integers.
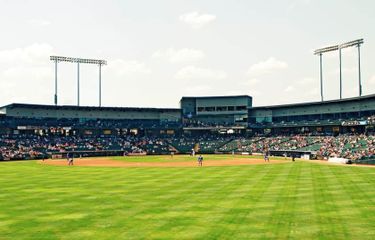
{"x": 224, "y": 124}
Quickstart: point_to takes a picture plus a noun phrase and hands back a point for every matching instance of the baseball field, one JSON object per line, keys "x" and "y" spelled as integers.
{"x": 160, "y": 197}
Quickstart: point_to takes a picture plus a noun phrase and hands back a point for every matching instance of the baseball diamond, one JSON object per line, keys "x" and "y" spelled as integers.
{"x": 198, "y": 119}
{"x": 255, "y": 200}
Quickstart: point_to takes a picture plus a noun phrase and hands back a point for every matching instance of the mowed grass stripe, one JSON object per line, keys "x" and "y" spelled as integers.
{"x": 351, "y": 196}
{"x": 327, "y": 207}
{"x": 299, "y": 200}
{"x": 305, "y": 220}
{"x": 234, "y": 208}
{"x": 209, "y": 196}
{"x": 283, "y": 212}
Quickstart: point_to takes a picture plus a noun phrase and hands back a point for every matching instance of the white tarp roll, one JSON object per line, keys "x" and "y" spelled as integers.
{"x": 338, "y": 160}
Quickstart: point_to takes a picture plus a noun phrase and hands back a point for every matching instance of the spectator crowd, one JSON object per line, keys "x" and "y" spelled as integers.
{"x": 354, "y": 147}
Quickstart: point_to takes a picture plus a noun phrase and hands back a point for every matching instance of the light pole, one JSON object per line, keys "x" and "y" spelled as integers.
{"x": 320, "y": 53}
{"x": 77, "y": 83}
{"x": 339, "y": 48}
{"x": 78, "y": 61}
{"x": 56, "y": 82}
{"x": 359, "y": 69}
{"x": 100, "y": 84}
{"x": 340, "y": 73}
{"x": 321, "y": 76}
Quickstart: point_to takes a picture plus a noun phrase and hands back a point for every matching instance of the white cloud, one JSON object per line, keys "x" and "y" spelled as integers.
{"x": 27, "y": 72}
{"x": 196, "y": 73}
{"x": 289, "y": 89}
{"x": 251, "y": 82}
{"x": 196, "y": 20}
{"x": 39, "y": 22}
{"x": 34, "y": 54}
{"x": 266, "y": 67}
{"x": 180, "y": 55}
{"x": 23, "y": 70}
{"x": 120, "y": 67}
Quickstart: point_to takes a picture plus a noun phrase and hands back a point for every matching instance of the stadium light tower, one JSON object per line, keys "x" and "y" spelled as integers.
{"x": 339, "y": 47}
{"x": 320, "y": 53}
{"x": 356, "y": 43}
{"x": 57, "y": 59}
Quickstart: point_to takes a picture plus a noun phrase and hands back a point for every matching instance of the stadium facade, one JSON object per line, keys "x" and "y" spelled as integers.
{"x": 196, "y": 115}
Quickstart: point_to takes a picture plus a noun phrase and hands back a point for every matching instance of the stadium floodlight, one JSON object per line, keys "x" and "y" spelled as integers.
{"x": 339, "y": 47}
{"x": 78, "y": 60}
{"x": 351, "y": 43}
{"x": 57, "y": 59}
{"x": 326, "y": 49}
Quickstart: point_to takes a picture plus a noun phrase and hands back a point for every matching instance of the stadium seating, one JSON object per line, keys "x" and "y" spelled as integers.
{"x": 183, "y": 146}
{"x": 210, "y": 146}
{"x": 360, "y": 148}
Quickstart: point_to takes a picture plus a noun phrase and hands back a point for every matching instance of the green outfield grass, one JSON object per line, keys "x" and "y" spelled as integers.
{"x": 300, "y": 200}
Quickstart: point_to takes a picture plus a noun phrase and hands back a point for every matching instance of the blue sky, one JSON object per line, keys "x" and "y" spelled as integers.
{"x": 160, "y": 50}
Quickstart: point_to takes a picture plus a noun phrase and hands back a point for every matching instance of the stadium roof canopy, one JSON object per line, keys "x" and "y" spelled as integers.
{"x": 71, "y": 107}
{"x": 206, "y": 97}
{"x": 140, "y": 109}
{"x": 317, "y": 103}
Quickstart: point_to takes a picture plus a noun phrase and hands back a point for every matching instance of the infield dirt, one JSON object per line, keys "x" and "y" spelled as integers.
{"x": 106, "y": 162}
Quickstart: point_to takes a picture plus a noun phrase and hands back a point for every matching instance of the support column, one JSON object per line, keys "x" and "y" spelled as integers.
{"x": 340, "y": 74}
{"x": 77, "y": 83}
{"x": 100, "y": 85}
{"x": 321, "y": 76}
{"x": 55, "y": 98}
{"x": 359, "y": 70}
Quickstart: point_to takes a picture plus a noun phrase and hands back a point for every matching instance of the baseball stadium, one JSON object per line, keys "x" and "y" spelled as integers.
{"x": 133, "y": 172}
{"x": 213, "y": 167}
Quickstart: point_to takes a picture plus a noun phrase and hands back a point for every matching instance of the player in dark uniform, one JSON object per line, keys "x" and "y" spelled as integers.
{"x": 200, "y": 160}
{"x": 266, "y": 153}
{"x": 266, "y": 156}
{"x": 70, "y": 158}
